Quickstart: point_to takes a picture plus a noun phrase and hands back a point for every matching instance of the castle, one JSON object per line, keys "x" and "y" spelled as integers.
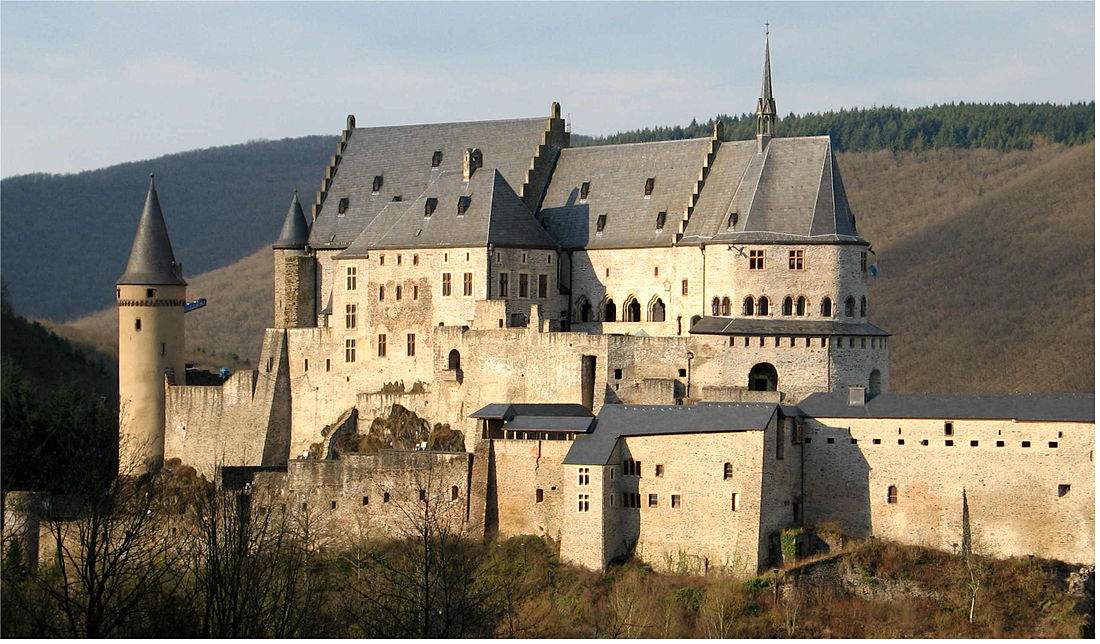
{"x": 659, "y": 349}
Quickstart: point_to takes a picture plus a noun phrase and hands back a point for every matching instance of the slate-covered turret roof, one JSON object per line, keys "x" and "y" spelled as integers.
{"x": 151, "y": 258}
{"x": 295, "y": 232}
{"x": 493, "y": 214}
{"x": 402, "y": 157}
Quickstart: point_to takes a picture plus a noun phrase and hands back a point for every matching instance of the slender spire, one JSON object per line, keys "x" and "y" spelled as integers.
{"x": 151, "y": 257}
{"x": 765, "y": 105}
{"x": 295, "y": 232}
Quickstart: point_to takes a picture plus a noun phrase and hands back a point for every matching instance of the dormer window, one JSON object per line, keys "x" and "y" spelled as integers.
{"x": 601, "y": 221}
{"x": 649, "y": 186}
{"x": 397, "y": 197}
{"x": 429, "y": 206}
{"x": 377, "y": 185}
{"x": 732, "y": 220}
{"x": 463, "y": 204}
{"x": 437, "y": 158}
{"x": 342, "y": 207}
{"x": 584, "y": 189}
{"x": 661, "y": 216}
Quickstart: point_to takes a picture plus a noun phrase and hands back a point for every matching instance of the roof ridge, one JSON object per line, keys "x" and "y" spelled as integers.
{"x": 515, "y": 120}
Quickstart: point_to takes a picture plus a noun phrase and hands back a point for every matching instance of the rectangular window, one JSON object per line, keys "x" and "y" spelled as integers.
{"x": 582, "y": 503}
{"x": 349, "y": 316}
{"x": 523, "y": 257}
{"x": 351, "y": 277}
{"x": 632, "y": 467}
{"x": 652, "y": 500}
{"x": 523, "y": 284}
{"x": 794, "y": 260}
{"x": 397, "y": 292}
{"x": 948, "y": 429}
{"x": 601, "y": 222}
{"x": 1063, "y": 489}
{"x": 756, "y": 260}
{"x": 150, "y": 292}
{"x": 584, "y": 189}
{"x": 503, "y": 290}
{"x": 659, "y": 470}
{"x": 349, "y": 350}
{"x": 410, "y": 344}
{"x": 416, "y": 260}
{"x": 582, "y": 476}
{"x": 366, "y": 500}
{"x": 416, "y": 292}
{"x": 163, "y": 348}
{"x": 381, "y": 260}
{"x": 446, "y": 284}
{"x": 735, "y": 502}
{"x": 381, "y": 345}
{"x": 467, "y": 284}
{"x": 544, "y": 286}
{"x": 538, "y": 495}
{"x": 661, "y": 218}
{"x": 305, "y": 365}
{"x": 863, "y": 261}
{"x": 381, "y": 293}
{"x": 683, "y": 287}
{"x": 328, "y": 364}
{"x": 675, "y": 500}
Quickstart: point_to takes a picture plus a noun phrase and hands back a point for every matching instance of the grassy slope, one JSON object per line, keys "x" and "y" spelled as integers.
{"x": 987, "y": 278}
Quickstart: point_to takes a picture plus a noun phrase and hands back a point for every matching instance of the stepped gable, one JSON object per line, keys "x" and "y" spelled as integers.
{"x": 1026, "y": 407}
{"x": 151, "y": 258}
{"x": 790, "y": 192}
{"x": 295, "y": 232}
{"x": 615, "y": 421}
{"x": 617, "y": 175}
{"x": 494, "y": 215}
{"x": 402, "y": 156}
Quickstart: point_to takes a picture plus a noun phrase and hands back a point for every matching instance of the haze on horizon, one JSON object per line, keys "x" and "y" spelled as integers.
{"x": 87, "y": 85}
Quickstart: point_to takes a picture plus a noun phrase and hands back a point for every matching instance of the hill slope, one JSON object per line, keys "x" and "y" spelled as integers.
{"x": 987, "y": 271}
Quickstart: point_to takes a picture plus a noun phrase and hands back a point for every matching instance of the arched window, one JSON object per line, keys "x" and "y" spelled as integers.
{"x": 747, "y": 306}
{"x": 632, "y": 312}
{"x": 454, "y": 360}
{"x": 850, "y": 307}
{"x": 454, "y": 492}
{"x": 716, "y": 307}
{"x": 586, "y": 310}
{"x": 762, "y": 306}
{"x": 725, "y": 306}
{"x": 609, "y": 310}
{"x": 727, "y": 471}
{"x": 827, "y": 308}
{"x": 657, "y": 311}
{"x": 863, "y": 307}
{"x": 763, "y": 377}
{"x": 788, "y": 305}
{"x": 892, "y": 494}
{"x": 800, "y": 306}
{"x": 874, "y": 383}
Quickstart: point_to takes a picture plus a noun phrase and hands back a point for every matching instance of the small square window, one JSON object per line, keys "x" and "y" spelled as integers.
{"x": 876, "y": 441}
{"x": 924, "y": 442}
{"x": 659, "y": 470}
{"x": 973, "y": 443}
{"x": 948, "y": 429}
{"x": 1063, "y": 489}
{"x": 437, "y": 158}
{"x": 683, "y": 373}
{"x": 1025, "y": 444}
{"x": 675, "y": 500}
{"x": 463, "y": 205}
{"x": 901, "y": 441}
{"x": 652, "y": 500}
{"x": 1052, "y": 444}
{"x": 366, "y": 500}
{"x": 618, "y": 374}
{"x": 332, "y": 505}
{"x": 949, "y": 443}
{"x": 150, "y": 292}
{"x": 429, "y": 206}
{"x": 342, "y": 206}
{"x": 830, "y": 440}
{"x": 1000, "y": 443}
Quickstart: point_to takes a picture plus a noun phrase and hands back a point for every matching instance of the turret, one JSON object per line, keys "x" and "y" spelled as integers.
{"x": 151, "y": 296}
{"x": 295, "y": 272}
{"x": 765, "y": 105}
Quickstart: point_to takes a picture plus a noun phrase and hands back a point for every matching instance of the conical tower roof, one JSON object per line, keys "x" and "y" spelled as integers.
{"x": 151, "y": 258}
{"x": 295, "y": 231}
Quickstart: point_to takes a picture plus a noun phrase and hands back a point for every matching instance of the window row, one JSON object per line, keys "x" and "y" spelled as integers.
{"x": 924, "y": 442}
{"x": 631, "y": 310}
{"x": 839, "y": 342}
{"x": 758, "y": 258}
{"x": 539, "y": 287}
{"x": 387, "y": 497}
{"x": 634, "y": 500}
{"x": 791, "y": 306}
{"x": 351, "y": 345}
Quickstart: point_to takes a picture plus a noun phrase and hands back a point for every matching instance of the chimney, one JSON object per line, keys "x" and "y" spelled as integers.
{"x": 857, "y": 396}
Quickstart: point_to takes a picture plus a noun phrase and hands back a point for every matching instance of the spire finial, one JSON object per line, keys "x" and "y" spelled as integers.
{"x": 767, "y": 27}
{"x": 765, "y": 105}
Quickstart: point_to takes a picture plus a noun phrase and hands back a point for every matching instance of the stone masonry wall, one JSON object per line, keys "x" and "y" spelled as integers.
{"x": 522, "y": 469}
{"x": 1012, "y": 491}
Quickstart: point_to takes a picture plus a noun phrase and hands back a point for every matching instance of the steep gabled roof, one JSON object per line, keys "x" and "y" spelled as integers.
{"x": 617, "y": 176}
{"x": 494, "y": 214}
{"x": 1024, "y": 407}
{"x": 151, "y": 259}
{"x": 616, "y": 421}
{"x": 295, "y": 232}
{"x": 790, "y": 192}
{"x": 402, "y": 156}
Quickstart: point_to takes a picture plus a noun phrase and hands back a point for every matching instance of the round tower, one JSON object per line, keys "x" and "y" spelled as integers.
{"x": 151, "y": 295}
{"x": 295, "y": 272}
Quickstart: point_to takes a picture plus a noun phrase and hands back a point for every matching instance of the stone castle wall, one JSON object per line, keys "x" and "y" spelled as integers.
{"x": 1012, "y": 491}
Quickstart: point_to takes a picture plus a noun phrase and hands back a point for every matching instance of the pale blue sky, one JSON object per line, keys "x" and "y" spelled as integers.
{"x": 86, "y": 85}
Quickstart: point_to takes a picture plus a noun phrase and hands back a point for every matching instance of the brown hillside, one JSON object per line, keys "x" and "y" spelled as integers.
{"x": 986, "y": 283}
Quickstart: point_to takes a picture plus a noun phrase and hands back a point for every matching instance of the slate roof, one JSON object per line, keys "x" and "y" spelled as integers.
{"x": 616, "y": 421}
{"x": 494, "y": 215}
{"x": 151, "y": 259}
{"x": 402, "y": 156}
{"x": 617, "y": 175}
{"x": 1046, "y": 407}
{"x": 791, "y": 192}
{"x": 508, "y": 411}
{"x": 578, "y": 424}
{"x": 782, "y": 326}
{"x": 295, "y": 232}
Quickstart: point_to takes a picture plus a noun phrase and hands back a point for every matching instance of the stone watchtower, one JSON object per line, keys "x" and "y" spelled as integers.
{"x": 151, "y": 296}
{"x": 295, "y": 272}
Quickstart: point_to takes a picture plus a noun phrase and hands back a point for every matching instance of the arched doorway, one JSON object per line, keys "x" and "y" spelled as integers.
{"x": 454, "y": 360}
{"x": 763, "y": 377}
{"x": 874, "y": 383}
